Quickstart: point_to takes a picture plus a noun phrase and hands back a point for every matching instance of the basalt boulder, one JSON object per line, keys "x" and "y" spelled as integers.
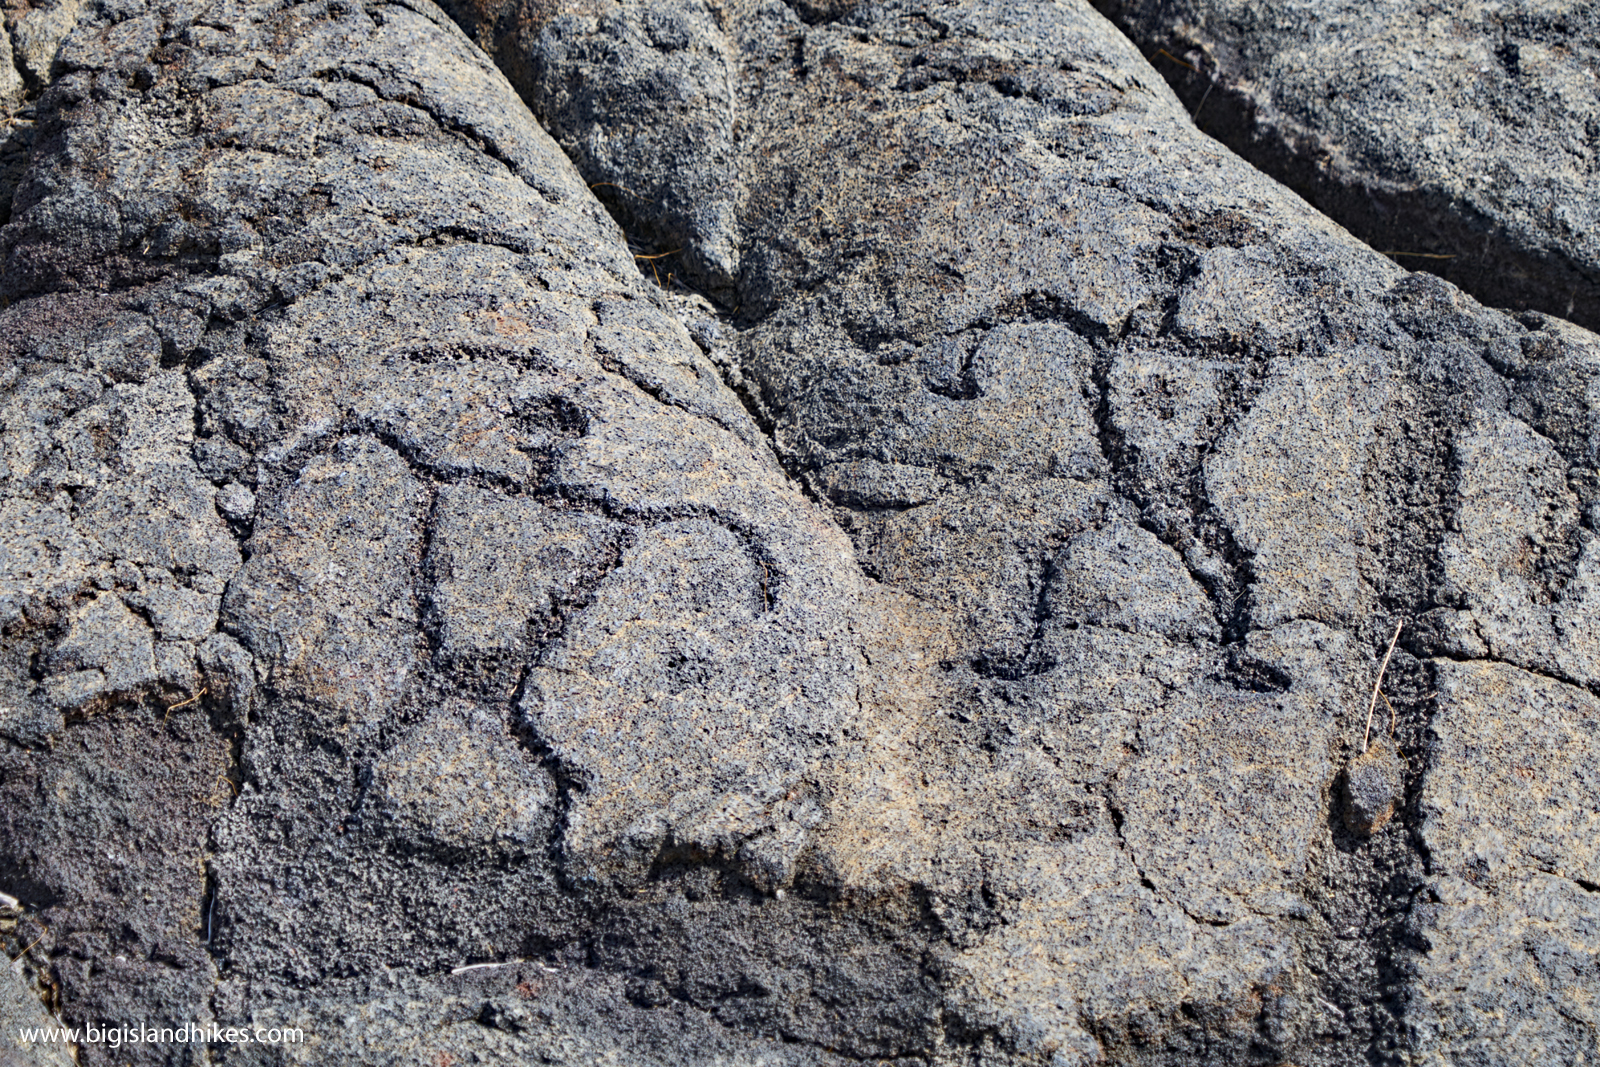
{"x": 391, "y": 585}
{"x": 1172, "y": 453}
{"x": 1460, "y": 139}
{"x": 949, "y": 638}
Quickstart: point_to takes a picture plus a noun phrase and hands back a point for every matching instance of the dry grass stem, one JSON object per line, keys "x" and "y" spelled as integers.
{"x": 484, "y": 966}
{"x": 1175, "y": 59}
{"x": 1378, "y": 685}
{"x": 181, "y": 704}
{"x": 1392, "y": 715}
{"x": 29, "y": 949}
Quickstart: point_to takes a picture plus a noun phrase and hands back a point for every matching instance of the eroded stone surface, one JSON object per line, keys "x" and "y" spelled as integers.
{"x": 1512, "y": 914}
{"x": 338, "y": 403}
{"x": 1374, "y": 785}
{"x": 22, "y": 1012}
{"x": 1461, "y": 138}
{"x": 339, "y": 397}
{"x": 1166, "y": 448}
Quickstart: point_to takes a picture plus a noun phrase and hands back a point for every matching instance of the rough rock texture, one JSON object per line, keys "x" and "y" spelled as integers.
{"x": 1512, "y": 914}
{"x": 956, "y": 651}
{"x": 20, "y": 1012}
{"x": 1170, "y": 452}
{"x": 22, "y": 1001}
{"x": 1461, "y": 137}
{"x": 336, "y": 402}
{"x": 1374, "y": 785}
{"x": 34, "y": 34}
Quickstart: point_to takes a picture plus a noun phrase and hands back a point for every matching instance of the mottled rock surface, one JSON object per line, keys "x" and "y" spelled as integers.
{"x": 1512, "y": 913}
{"x": 1374, "y": 785}
{"x": 374, "y": 534}
{"x": 951, "y": 647}
{"x": 21, "y": 1016}
{"x": 1171, "y": 452}
{"x": 1465, "y": 138}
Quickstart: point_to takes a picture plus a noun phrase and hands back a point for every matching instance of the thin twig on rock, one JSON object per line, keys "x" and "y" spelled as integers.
{"x": 182, "y": 704}
{"x": 1373, "y": 704}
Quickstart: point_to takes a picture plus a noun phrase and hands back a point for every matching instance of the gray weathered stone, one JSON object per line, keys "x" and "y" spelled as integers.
{"x": 1511, "y": 912}
{"x": 291, "y": 377}
{"x": 1460, "y": 138}
{"x": 1374, "y": 785}
{"x": 1007, "y": 310}
{"x": 28, "y": 47}
{"x": 11, "y": 85}
{"x": 38, "y": 32}
{"x": 22, "y": 1016}
{"x": 950, "y": 654}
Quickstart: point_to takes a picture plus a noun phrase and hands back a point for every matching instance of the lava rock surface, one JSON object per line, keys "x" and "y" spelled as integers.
{"x": 946, "y": 637}
{"x": 1461, "y": 139}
